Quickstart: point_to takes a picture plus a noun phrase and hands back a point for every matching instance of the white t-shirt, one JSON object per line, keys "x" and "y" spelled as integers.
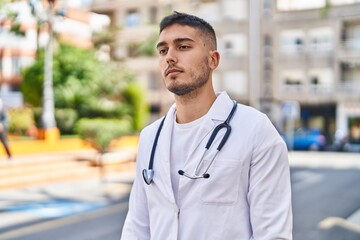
{"x": 182, "y": 138}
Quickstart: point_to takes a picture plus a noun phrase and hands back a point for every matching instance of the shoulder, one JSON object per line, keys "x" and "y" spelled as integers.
{"x": 250, "y": 115}
{"x": 256, "y": 125}
{"x": 151, "y": 129}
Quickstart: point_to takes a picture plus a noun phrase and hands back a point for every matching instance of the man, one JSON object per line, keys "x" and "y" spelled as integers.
{"x": 241, "y": 191}
{"x": 3, "y": 129}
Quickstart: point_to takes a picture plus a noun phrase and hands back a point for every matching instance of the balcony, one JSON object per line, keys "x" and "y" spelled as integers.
{"x": 103, "y": 5}
{"x": 352, "y": 44}
{"x": 348, "y": 88}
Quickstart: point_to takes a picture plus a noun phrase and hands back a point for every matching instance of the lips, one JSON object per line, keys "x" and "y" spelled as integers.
{"x": 172, "y": 70}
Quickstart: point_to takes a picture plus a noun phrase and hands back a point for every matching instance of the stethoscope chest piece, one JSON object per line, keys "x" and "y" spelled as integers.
{"x": 148, "y": 175}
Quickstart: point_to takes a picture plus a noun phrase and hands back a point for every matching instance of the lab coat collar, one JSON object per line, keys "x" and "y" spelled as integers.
{"x": 218, "y": 112}
{"x": 221, "y": 108}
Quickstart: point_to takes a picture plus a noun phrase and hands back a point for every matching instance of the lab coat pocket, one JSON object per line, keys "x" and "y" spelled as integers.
{"x": 222, "y": 187}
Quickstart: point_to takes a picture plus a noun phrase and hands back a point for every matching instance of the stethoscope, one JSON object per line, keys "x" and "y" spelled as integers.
{"x": 148, "y": 174}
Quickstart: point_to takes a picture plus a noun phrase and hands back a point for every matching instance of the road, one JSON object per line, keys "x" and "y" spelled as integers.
{"x": 323, "y": 200}
{"x": 104, "y": 224}
{"x": 324, "y": 204}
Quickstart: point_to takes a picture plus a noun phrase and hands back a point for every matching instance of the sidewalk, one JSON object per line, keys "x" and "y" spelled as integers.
{"x": 25, "y": 206}
{"x": 339, "y": 160}
{"x": 30, "y": 205}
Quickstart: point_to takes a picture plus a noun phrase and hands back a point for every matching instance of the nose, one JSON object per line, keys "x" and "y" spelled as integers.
{"x": 171, "y": 56}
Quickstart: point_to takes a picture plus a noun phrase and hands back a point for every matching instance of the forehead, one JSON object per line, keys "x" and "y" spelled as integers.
{"x": 177, "y": 31}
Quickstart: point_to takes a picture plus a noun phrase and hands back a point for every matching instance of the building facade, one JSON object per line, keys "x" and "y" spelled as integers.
{"x": 274, "y": 54}
{"x": 21, "y": 35}
{"x": 317, "y": 62}
{"x": 139, "y": 20}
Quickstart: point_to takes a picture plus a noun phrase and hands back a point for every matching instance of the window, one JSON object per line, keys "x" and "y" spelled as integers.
{"x": 321, "y": 79}
{"x": 209, "y": 11}
{"x": 351, "y": 35}
{"x": 153, "y": 15}
{"x": 132, "y": 18}
{"x": 293, "y": 77}
{"x": 228, "y": 46}
{"x": 235, "y": 9}
{"x": 321, "y": 39}
{"x": 234, "y": 82}
{"x": 15, "y": 63}
{"x": 343, "y": 2}
{"x": 293, "y": 5}
{"x": 234, "y": 44}
{"x": 292, "y": 41}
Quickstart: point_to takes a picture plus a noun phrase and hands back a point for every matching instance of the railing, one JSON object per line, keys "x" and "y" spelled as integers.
{"x": 345, "y": 88}
{"x": 352, "y": 44}
{"x": 312, "y": 49}
{"x": 349, "y": 87}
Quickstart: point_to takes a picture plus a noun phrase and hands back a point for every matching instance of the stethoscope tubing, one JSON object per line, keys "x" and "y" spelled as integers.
{"x": 153, "y": 150}
{"x": 148, "y": 173}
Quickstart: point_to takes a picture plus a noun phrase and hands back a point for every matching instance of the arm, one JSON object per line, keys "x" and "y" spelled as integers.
{"x": 136, "y": 226}
{"x": 269, "y": 186}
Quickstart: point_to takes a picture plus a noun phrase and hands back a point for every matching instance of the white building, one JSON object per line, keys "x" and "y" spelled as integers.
{"x": 18, "y": 45}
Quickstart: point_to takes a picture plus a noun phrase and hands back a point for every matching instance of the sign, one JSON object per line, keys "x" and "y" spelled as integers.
{"x": 290, "y": 110}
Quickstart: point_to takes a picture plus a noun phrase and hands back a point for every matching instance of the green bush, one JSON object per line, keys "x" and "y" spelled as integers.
{"x": 135, "y": 94}
{"x": 66, "y": 119}
{"x": 37, "y": 116}
{"x": 20, "y": 120}
{"x": 100, "y": 132}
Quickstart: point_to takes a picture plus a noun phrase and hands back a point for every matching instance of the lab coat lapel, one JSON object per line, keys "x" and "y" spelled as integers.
{"x": 203, "y": 132}
{"x": 164, "y": 155}
{"x": 217, "y": 113}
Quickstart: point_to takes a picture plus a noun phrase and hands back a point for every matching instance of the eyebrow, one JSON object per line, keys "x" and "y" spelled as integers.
{"x": 176, "y": 41}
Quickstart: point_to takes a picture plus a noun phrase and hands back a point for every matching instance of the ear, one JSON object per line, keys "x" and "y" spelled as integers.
{"x": 214, "y": 59}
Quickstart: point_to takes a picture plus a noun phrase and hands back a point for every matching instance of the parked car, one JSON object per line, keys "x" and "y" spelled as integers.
{"x": 306, "y": 139}
{"x": 343, "y": 143}
{"x": 352, "y": 147}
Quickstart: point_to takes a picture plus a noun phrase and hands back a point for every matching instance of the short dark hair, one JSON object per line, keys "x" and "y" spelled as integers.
{"x": 190, "y": 20}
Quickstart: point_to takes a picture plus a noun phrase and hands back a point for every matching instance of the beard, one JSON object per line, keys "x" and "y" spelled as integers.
{"x": 197, "y": 81}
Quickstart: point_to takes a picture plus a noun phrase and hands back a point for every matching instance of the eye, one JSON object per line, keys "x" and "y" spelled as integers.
{"x": 162, "y": 51}
{"x": 184, "y": 47}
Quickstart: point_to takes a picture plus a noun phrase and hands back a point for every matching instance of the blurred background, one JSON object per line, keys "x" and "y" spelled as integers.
{"x": 79, "y": 80}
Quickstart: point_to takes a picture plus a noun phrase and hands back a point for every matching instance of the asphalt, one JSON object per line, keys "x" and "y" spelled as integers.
{"x": 25, "y": 206}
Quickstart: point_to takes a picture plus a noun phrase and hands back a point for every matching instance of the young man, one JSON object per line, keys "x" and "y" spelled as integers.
{"x": 241, "y": 191}
{"x": 3, "y": 129}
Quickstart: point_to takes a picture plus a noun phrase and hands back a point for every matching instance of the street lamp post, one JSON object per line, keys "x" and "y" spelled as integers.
{"x": 49, "y": 129}
{"x": 48, "y": 119}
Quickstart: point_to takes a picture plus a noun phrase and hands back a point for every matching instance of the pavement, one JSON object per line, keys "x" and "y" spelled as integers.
{"x": 29, "y": 205}
{"x": 21, "y": 207}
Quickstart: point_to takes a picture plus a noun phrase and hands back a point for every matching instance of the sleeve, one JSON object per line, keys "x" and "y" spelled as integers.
{"x": 269, "y": 193}
{"x": 136, "y": 226}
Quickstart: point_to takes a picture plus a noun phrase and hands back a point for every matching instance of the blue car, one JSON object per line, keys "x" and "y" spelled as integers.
{"x": 306, "y": 139}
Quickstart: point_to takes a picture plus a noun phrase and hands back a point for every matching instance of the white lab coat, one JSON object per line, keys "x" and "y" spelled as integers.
{"x": 247, "y": 196}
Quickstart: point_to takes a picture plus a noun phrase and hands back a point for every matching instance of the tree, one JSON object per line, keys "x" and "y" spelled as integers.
{"x": 93, "y": 88}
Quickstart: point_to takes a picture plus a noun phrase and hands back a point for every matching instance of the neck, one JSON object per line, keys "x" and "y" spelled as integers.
{"x": 193, "y": 105}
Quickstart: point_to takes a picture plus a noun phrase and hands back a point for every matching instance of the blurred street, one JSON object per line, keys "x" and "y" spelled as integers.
{"x": 326, "y": 203}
